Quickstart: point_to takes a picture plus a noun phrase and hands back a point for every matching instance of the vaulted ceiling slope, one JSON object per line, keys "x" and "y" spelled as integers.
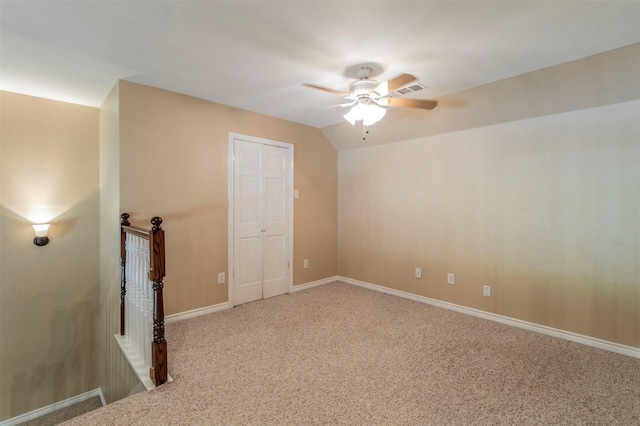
{"x": 256, "y": 55}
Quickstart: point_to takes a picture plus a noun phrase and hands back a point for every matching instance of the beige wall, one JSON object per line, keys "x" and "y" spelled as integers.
{"x": 174, "y": 164}
{"x": 545, "y": 211}
{"x": 48, "y": 295}
{"x": 117, "y": 379}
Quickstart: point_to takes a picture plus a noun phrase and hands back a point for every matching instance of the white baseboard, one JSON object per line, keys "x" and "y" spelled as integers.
{"x": 54, "y": 407}
{"x": 566, "y": 335}
{"x": 181, "y": 316}
{"x": 312, "y": 284}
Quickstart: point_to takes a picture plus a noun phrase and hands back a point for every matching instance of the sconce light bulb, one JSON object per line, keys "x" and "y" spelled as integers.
{"x": 41, "y": 230}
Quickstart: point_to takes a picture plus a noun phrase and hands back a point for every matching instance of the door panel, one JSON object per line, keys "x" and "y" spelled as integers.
{"x": 274, "y": 160}
{"x": 249, "y": 279}
{"x": 274, "y": 260}
{"x": 274, "y": 193}
{"x": 275, "y": 279}
{"x": 249, "y": 193}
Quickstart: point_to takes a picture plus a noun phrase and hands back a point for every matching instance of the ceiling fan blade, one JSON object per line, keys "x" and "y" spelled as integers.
{"x": 412, "y": 103}
{"x": 399, "y": 81}
{"x": 335, "y": 92}
{"x": 395, "y": 83}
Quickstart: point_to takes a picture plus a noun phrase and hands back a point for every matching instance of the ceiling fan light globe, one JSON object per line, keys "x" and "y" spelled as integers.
{"x": 383, "y": 89}
{"x": 373, "y": 114}
{"x": 358, "y": 111}
{"x": 351, "y": 116}
{"x": 366, "y": 111}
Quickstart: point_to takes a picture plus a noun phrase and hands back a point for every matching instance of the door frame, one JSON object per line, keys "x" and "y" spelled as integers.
{"x": 230, "y": 213}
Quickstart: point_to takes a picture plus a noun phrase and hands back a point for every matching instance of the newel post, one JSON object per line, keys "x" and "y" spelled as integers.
{"x": 158, "y": 370}
{"x": 124, "y": 221}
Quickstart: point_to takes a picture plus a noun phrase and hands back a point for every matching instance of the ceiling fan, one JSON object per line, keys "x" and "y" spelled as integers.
{"x": 368, "y": 97}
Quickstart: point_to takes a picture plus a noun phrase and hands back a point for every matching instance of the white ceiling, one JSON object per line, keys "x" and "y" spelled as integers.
{"x": 256, "y": 55}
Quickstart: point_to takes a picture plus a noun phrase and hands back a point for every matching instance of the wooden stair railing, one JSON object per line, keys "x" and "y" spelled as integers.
{"x": 154, "y": 238}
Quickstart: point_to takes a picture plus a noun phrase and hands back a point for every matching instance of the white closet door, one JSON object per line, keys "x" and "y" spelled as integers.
{"x": 261, "y": 221}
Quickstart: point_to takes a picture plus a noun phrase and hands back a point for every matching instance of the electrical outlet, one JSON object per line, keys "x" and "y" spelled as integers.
{"x": 486, "y": 291}
{"x": 451, "y": 278}
{"x": 305, "y": 263}
{"x": 221, "y": 278}
{"x": 418, "y": 272}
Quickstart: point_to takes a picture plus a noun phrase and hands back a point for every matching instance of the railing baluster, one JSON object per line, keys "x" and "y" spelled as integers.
{"x": 156, "y": 273}
{"x": 124, "y": 220}
{"x": 136, "y": 295}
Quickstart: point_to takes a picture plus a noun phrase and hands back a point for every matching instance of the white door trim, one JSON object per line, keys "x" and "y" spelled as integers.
{"x": 230, "y": 213}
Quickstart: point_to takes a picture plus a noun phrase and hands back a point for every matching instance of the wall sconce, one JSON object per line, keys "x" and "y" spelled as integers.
{"x": 41, "y": 238}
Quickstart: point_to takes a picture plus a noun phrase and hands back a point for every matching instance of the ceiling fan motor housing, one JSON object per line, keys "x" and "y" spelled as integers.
{"x": 363, "y": 88}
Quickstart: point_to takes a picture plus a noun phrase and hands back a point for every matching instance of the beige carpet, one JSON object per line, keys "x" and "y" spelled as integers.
{"x": 66, "y": 413}
{"x": 343, "y": 355}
